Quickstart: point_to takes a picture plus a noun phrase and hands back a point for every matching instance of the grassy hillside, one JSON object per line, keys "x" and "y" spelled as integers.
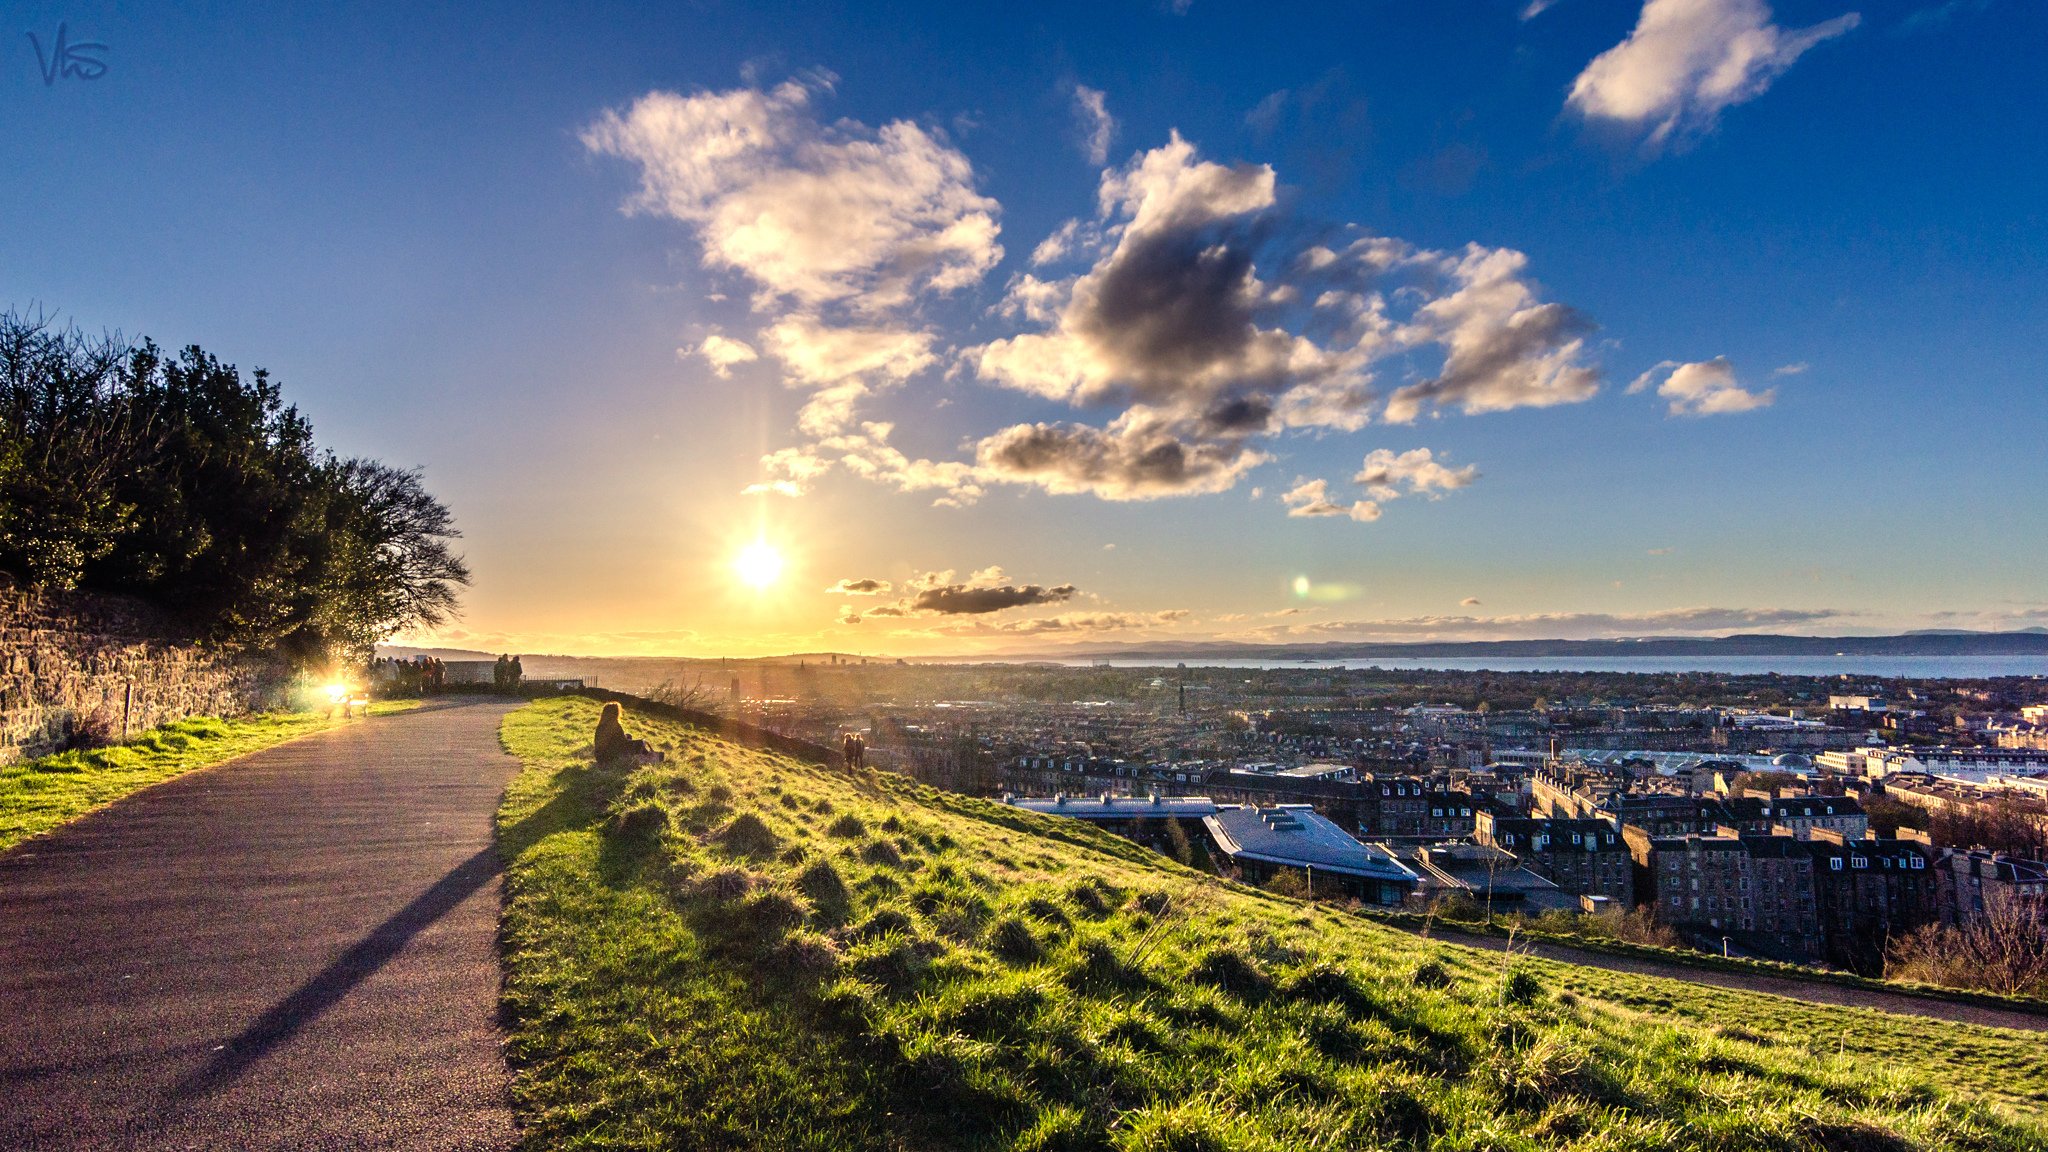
{"x": 736, "y": 950}
{"x": 38, "y": 795}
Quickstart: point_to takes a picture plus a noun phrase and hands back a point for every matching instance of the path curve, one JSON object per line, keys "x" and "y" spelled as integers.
{"x": 1791, "y": 988}
{"x": 295, "y": 949}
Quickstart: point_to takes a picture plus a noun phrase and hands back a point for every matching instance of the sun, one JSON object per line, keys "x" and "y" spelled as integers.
{"x": 758, "y": 565}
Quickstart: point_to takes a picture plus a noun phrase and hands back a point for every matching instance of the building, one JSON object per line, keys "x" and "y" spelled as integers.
{"x": 1784, "y": 910}
{"x": 1693, "y": 881}
{"x": 1973, "y": 765}
{"x": 1264, "y": 842}
{"x": 1975, "y": 886}
{"x": 1144, "y": 819}
{"x": 1802, "y": 815}
{"x": 1868, "y": 892}
{"x": 1488, "y": 877}
{"x": 1583, "y": 857}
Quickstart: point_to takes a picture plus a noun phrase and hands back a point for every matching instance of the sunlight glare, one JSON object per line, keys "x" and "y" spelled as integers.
{"x": 759, "y": 565}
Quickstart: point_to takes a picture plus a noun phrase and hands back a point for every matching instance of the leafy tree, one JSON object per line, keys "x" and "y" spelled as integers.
{"x": 181, "y": 481}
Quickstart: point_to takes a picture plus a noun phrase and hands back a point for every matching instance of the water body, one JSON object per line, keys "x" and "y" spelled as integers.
{"x": 1916, "y": 667}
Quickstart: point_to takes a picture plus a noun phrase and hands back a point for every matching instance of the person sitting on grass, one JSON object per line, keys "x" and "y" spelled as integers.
{"x": 614, "y": 746}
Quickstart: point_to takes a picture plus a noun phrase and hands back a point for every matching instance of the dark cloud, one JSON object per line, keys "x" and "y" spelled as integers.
{"x": 1122, "y": 462}
{"x": 966, "y": 600}
{"x": 860, "y": 587}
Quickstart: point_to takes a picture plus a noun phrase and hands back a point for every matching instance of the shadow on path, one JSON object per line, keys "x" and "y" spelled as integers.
{"x": 337, "y": 980}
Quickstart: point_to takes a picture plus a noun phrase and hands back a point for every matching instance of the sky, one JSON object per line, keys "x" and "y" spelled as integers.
{"x": 902, "y": 329}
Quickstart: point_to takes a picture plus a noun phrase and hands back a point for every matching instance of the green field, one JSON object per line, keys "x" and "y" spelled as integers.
{"x": 738, "y": 950}
{"x": 38, "y": 795}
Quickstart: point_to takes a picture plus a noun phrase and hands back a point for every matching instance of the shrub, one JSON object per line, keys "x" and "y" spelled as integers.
{"x": 846, "y": 827}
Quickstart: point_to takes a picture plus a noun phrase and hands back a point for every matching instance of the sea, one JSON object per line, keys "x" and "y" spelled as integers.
{"x": 1914, "y": 667}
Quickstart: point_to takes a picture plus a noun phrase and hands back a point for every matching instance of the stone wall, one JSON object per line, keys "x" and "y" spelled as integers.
{"x": 78, "y": 669}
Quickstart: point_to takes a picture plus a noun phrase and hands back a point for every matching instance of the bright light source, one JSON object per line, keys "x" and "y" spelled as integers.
{"x": 337, "y": 692}
{"x": 759, "y": 564}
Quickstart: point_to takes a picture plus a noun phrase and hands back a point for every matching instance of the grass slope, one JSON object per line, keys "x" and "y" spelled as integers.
{"x": 737, "y": 950}
{"x": 38, "y": 795}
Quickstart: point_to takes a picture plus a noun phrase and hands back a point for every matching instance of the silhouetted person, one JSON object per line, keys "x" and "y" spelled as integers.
{"x": 516, "y": 675}
{"x": 613, "y": 745}
{"x": 855, "y": 750}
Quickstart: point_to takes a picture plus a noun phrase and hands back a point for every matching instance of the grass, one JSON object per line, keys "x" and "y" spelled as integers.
{"x": 39, "y": 795}
{"x": 733, "y": 949}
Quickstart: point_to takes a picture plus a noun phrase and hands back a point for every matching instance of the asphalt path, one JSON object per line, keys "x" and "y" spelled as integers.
{"x": 295, "y": 949}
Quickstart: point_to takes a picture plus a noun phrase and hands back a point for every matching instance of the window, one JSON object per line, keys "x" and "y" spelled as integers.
{"x": 1835, "y": 863}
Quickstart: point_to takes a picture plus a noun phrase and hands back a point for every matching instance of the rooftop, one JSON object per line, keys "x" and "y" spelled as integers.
{"x": 1294, "y": 835}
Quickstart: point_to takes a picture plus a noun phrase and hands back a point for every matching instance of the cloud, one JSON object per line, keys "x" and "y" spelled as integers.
{"x": 982, "y": 593}
{"x": 1537, "y": 8}
{"x": 1469, "y": 602}
{"x": 1793, "y": 369}
{"x": 812, "y": 213}
{"x": 722, "y": 352}
{"x": 1705, "y": 388}
{"x": 1201, "y": 327}
{"x": 1070, "y": 623}
{"x": 966, "y": 600}
{"x": 1687, "y": 60}
{"x": 860, "y": 588}
{"x": 1310, "y": 498}
{"x": 1138, "y": 457}
{"x": 1098, "y": 127}
{"x": 1383, "y": 475}
{"x": 1384, "y": 472}
{"x": 1204, "y": 357}
{"x": 1660, "y": 552}
{"x": 1559, "y": 625}
{"x": 1939, "y": 15}
{"x": 1505, "y": 348}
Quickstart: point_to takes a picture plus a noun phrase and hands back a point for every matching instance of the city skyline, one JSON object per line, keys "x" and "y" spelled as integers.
{"x": 919, "y": 331}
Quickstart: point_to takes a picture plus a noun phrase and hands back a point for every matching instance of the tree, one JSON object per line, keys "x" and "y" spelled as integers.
{"x": 181, "y": 481}
{"x": 66, "y": 433}
{"x": 2006, "y": 951}
{"x": 386, "y": 564}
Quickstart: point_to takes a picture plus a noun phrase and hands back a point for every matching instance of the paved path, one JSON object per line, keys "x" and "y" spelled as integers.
{"x": 297, "y": 949}
{"x": 1811, "y": 991}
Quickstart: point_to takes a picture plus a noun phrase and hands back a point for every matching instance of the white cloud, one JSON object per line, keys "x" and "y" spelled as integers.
{"x": 1311, "y": 498}
{"x": 812, "y": 213}
{"x": 1794, "y": 369}
{"x": 722, "y": 352}
{"x": 1705, "y": 388}
{"x": 1687, "y": 60}
{"x": 1098, "y": 127}
{"x": 1204, "y": 335}
{"x": 1384, "y": 472}
{"x": 1537, "y": 8}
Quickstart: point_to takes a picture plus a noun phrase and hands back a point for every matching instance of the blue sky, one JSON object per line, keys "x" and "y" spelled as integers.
{"x": 420, "y": 222}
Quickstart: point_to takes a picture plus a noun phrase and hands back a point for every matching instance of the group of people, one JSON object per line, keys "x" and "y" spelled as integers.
{"x": 507, "y": 674}
{"x": 855, "y": 750}
{"x": 419, "y": 676}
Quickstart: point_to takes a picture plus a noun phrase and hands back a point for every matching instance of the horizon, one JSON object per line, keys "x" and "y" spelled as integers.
{"x": 925, "y": 332}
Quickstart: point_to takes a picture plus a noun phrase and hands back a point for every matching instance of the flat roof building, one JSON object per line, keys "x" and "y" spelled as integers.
{"x": 1263, "y": 841}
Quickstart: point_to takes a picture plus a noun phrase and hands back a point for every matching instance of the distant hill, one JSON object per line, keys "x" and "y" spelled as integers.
{"x": 2032, "y": 642}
